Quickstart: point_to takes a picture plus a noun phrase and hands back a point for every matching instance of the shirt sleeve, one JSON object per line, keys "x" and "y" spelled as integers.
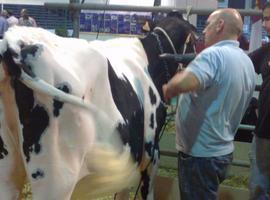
{"x": 204, "y": 67}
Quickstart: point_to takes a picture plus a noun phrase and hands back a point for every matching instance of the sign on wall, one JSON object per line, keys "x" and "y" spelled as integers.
{"x": 112, "y": 22}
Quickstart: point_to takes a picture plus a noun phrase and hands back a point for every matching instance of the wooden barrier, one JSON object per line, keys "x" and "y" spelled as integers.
{"x": 167, "y": 189}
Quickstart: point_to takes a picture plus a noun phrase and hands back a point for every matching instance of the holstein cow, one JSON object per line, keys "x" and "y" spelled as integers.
{"x": 66, "y": 104}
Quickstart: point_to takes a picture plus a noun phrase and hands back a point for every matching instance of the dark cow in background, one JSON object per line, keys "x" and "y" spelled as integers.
{"x": 54, "y": 144}
{"x": 250, "y": 118}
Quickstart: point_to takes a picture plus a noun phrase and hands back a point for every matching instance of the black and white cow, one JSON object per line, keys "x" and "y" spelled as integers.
{"x": 54, "y": 144}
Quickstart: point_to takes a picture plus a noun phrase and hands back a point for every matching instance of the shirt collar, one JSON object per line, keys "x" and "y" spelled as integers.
{"x": 227, "y": 42}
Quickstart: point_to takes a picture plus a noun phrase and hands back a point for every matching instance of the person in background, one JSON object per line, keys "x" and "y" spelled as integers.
{"x": 216, "y": 88}
{"x": 3, "y": 24}
{"x": 26, "y": 20}
{"x": 259, "y": 184}
{"x": 11, "y": 19}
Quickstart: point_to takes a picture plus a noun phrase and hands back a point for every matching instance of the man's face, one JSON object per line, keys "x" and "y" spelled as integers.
{"x": 23, "y": 13}
{"x": 209, "y": 31}
{"x": 266, "y": 20}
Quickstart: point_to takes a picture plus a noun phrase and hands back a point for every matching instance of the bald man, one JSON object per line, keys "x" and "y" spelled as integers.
{"x": 216, "y": 88}
{"x": 26, "y": 20}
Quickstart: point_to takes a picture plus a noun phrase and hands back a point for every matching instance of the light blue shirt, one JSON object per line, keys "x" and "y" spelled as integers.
{"x": 207, "y": 119}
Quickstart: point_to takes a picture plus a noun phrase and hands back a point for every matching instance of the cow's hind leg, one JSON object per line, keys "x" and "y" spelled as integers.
{"x": 148, "y": 178}
{"x": 11, "y": 179}
{"x": 12, "y": 173}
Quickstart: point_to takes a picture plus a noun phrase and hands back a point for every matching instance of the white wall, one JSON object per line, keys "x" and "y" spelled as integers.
{"x": 205, "y": 4}
{"x": 176, "y": 3}
{"x": 33, "y": 2}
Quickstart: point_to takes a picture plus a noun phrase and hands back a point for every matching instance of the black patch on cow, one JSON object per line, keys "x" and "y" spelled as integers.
{"x": 160, "y": 119}
{"x": 3, "y": 150}
{"x": 25, "y": 51}
{"x": 145, "y": 184}
{"x": 149, "y": 149}
{"x": 152, "y": 121}
{"x": 127, "y": 102}
{"x": 28, "y": 49}
{"x": 38, "y": 174}
{"x": 153, "y": 97}
{"x": 33, "y": 117}
{"x": 57, "y": 105}
{"x": 13, "y": 69}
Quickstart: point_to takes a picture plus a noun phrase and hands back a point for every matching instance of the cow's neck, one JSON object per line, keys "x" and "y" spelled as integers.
{"x": 156, "y": 67}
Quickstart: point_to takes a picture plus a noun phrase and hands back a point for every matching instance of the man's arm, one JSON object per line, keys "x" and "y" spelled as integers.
{"x": 182, "y": 82}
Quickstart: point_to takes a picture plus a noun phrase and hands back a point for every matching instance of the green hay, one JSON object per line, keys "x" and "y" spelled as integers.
{"x": 237, "y": 181}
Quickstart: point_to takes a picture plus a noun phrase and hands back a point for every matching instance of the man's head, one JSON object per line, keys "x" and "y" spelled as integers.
{"x": 266, "y": 17}
{"x": 4, "y": 13}
{"x": 24, "y": 13}
{"x": 9, "y": 12}
{"x": 222, "y": 24}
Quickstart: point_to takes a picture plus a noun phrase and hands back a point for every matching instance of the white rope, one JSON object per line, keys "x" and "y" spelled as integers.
{"x": 168, "y": 38}
{"x": 180, "y": 65}
{"x": 188, "y": 10}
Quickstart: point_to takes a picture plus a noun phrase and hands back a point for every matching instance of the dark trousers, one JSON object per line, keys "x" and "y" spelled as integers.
{"x": 199, "y": 177}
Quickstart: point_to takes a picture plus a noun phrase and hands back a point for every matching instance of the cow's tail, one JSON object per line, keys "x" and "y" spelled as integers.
{"x": 111, "y": 172}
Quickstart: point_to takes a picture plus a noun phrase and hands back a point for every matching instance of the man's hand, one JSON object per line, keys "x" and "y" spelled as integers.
{"x": 166, "y": 93}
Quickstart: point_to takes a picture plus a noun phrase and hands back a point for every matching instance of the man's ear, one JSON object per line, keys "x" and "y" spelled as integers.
{"x": 220, "y": 25}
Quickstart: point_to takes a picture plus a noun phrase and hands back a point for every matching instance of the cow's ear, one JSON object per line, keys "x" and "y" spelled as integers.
{"x": 148, "y": 26}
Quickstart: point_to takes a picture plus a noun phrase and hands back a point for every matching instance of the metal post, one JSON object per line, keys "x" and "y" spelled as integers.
{"x": 75, "y": 14}
{"x": 248, "y": 4}
{"x": 92, "y": 6}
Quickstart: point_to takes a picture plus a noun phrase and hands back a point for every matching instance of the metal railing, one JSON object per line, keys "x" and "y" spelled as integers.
{"x": 75, "y": 8}
{"x": 239, "y": 163}
{"x": 93, "y": 6}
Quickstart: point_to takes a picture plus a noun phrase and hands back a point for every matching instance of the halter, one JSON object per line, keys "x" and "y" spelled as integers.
{"x": 167, "y": 36}
{"x": 180, "y": 65}
{"x": 162, "y": 51}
